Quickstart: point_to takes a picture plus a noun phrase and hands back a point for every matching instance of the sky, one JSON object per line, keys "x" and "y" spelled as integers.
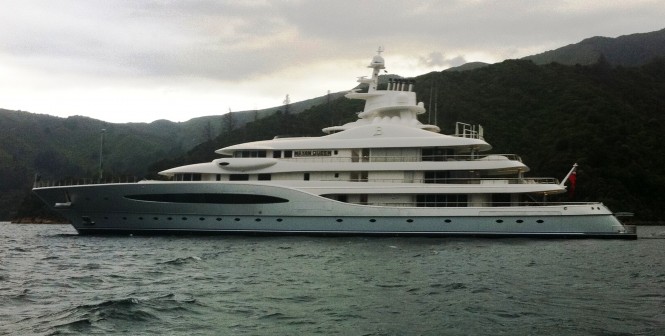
{"x": 140, "y": 60}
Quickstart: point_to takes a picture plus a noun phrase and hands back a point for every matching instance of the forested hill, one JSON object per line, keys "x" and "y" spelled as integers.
{"x": 609, "y": 120}
{"x": 60, "y": 148}
{"x": 627, "y": 50}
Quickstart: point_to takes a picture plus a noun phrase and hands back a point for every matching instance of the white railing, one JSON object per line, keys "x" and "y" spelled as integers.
{"x": 84, "y": 181}
{"x": 134, "y": 179}
{"x": 468, "y": 205}
{"x": 530, "y": 180}
{"x": 468, "y": 131}
{"x": 411, "y": 158}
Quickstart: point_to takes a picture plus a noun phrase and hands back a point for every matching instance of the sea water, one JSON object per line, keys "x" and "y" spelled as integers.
{"x": 53, "y": 281}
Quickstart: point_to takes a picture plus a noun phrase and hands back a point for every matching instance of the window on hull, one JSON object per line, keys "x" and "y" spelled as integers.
{"x": 436, "y": 154}
{"x": 207, "y": 198}
{"x": 501, "y": 199}
{"x": 188, "y": 177}
{"x": 442, "y": 200}
{"x": 436, "y": 176}
{"x": 250, "y": 154}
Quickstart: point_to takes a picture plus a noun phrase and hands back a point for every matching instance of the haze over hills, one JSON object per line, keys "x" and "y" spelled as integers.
{"x": 607, "y": 119}
{"x": 626, "y": 50}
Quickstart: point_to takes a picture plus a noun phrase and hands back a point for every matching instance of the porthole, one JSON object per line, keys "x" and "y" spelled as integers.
{"x": 236, "y": 219}
{"x": 106, "y": 217}
{"x": 519, "y": 221}
{"x": 219, "y": 219}
{"x": 447, "y": 221}
{"x": 540, "y": 221}
{"x": 339, "y": 220}
{"x": 155, "y": 218}
{"x": 499, "y": 220}
{"x": 184, "y": 218}
{"x": 372, "y": 220}
{"x": 169, "y": 218}
{"x": 140, "y": 218}
{"x": 258, "y": 219}
{"x": 201, "y": 219}
{"x": 279, "y": 219}
{"x": 124, "y": 218}
{"x": 409, "y": 220}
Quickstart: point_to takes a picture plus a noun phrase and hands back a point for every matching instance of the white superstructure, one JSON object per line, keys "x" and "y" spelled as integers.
{"x": 385, "y": 173}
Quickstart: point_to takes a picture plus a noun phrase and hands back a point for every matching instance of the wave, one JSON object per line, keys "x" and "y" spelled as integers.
{"x": 108, "y": 316}
{"x": 180, "y": 261}
{"x": 654, "y": 235}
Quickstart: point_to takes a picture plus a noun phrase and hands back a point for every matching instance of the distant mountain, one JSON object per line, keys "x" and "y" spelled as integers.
{"x": 468, "y": 66}
{"x": 627, "y": 50}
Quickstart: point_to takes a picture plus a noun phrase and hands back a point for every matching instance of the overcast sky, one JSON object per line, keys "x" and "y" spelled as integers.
{"x": 139, "y": 61}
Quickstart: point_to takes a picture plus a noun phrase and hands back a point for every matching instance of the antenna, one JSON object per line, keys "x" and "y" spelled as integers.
{"x": 436, "y": 105}
{"x": 287, "y": 102}
{"x": 429, "y": 107}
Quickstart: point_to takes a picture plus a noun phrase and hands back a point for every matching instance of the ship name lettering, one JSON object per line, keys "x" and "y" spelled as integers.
{"x": 312, "y": 153}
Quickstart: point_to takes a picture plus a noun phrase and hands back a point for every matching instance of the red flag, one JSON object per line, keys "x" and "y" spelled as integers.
{"x": 573, "y": 181}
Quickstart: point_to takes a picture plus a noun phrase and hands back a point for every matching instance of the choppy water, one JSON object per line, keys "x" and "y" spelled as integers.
{"x": 53, "y": 281}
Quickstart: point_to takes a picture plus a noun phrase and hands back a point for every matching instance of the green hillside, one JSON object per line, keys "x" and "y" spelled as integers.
{"x": 627, "y": 50}
{"x": 58, "y": 148}
{"x": 63, "y": 148}
{"x": 608, "y": 120}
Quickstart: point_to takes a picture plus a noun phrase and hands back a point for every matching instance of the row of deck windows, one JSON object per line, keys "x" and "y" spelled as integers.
{"x": 245, "y": 177}
{"x": 358, "y": 176}
{"x": 249, "y": 154}
{"x": 188, "y": 177}
{"x": 442, "y": 200}
{"x": 427, "y": 154}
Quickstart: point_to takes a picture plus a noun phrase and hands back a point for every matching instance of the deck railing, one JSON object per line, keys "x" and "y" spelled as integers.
{"x": 407, "y": 158}
{"x": 488, "y": 181}
{"x": 84, "y": 181}
{"x": 471, "y": 205}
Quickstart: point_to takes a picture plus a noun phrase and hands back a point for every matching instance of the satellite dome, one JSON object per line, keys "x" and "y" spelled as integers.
{"x": 377, "y": 60}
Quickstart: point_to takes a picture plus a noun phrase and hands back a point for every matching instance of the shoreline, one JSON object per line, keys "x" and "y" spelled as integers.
{"x": 37, "y": 220}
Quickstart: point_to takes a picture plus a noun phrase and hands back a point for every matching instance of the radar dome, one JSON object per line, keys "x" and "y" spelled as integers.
{"x": 377, "y": 60}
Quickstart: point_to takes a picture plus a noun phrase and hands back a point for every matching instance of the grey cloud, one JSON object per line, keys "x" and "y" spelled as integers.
{"x": 434, "y": 59}
{"x": 231, "y": 40}
{"x": 437, "y": 59}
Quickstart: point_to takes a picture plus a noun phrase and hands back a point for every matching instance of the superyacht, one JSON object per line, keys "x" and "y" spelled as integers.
{"x": 385, "y": 173}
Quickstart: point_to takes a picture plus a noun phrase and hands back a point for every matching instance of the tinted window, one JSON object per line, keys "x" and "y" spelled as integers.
{"x": 208, "y": 198}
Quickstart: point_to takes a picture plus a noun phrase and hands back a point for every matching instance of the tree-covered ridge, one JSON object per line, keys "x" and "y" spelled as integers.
{"x": 607, "y": 119}
{"x": 627, "y": 50}
{"x": 333, "y": 111}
